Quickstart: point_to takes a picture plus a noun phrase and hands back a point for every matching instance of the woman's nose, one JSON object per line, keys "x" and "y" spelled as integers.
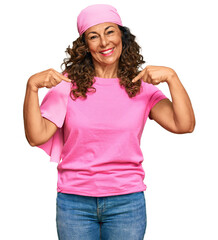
{"x": 104, "y": 41}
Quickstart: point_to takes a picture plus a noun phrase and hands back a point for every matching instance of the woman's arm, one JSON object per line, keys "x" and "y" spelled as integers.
{"x": 176, "y": 116}
{"x": 38, "y": 130}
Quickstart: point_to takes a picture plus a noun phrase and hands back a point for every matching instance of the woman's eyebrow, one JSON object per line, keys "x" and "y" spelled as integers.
{"x": 108, "y": 27}
{"x": 104, "y": 29}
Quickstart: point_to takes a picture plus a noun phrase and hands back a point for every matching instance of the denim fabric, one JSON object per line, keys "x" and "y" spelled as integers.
{"x": 121, "y": 217}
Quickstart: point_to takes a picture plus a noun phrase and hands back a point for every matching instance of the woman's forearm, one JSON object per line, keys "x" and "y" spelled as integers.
{"x": 33, "y": 121}
{"x": 183, "y": 112}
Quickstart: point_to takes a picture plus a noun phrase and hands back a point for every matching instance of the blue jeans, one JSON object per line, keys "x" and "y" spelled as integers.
{"x": 121, "y": 217}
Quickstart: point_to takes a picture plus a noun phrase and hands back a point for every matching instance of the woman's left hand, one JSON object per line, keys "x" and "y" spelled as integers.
{"x": 155, "y": 74}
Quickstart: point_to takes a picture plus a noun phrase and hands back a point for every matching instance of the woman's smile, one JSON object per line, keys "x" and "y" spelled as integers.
{"x": 107, "y": 52}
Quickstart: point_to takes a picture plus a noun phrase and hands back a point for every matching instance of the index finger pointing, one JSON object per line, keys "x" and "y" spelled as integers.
{"x": 138, "y": 76}
{"x": 64, "y": 77}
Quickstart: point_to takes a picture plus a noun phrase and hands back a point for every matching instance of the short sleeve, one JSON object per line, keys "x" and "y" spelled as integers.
{"x": 154, "y": 95}
{"x": 53, "y": 108}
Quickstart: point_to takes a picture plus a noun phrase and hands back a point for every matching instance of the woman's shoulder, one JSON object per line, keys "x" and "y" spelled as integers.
{"x": 148, "y": 87}
{"x": 62, "y": 88}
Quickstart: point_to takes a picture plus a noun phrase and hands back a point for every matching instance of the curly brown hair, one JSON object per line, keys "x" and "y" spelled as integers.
{"x": 81, "y": 71}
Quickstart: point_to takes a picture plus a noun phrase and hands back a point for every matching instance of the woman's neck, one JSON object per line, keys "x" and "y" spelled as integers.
{"x": 107, "y": 71}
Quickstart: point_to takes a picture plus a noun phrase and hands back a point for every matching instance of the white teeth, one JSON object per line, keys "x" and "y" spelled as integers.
{"x": 106, "y": 52}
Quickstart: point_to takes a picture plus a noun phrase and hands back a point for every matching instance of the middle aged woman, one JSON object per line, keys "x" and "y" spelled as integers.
{"x": 94, "y": 136}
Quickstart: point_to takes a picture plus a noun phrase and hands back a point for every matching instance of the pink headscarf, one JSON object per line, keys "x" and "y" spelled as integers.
{"x": 95, "y": 14}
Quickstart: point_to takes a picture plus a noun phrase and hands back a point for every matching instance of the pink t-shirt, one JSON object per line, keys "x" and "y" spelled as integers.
{"x": 97, "y": 144}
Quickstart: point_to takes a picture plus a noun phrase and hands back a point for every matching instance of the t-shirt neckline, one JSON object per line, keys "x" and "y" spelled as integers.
{"x": 106, "y": 81}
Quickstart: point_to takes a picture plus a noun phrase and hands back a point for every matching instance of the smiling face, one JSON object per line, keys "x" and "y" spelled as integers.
{"x": 104, "y": 43}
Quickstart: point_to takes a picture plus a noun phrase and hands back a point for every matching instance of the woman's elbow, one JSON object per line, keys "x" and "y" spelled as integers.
{"x": 33, "y": 142}
{"x": 192, "y": 128}
{"x": 188, "y": 129}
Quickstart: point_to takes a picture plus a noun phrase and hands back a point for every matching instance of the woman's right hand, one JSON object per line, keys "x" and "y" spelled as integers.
{"x": 48, "y": 78}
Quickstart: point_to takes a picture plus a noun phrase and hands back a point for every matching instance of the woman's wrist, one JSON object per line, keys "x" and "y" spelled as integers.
{"x": 172, "y": 78}
{"x": 32, "y": 86}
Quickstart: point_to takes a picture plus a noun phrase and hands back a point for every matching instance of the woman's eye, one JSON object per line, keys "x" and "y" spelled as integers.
{"x": 110, "y": 32}
{"x": 93, "y": 37}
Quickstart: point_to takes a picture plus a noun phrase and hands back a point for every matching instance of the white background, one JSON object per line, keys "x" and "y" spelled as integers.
{"x": 181, "y": 170}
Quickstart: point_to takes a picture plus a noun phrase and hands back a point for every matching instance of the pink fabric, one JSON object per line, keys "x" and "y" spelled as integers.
{"x": 96, "y": 14}
{"x": 97, "y": 144}
{"x": 52, "y": 101}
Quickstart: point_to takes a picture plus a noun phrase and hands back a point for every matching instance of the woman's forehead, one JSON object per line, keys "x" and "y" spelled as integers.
{"x": 101, "y": 27}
